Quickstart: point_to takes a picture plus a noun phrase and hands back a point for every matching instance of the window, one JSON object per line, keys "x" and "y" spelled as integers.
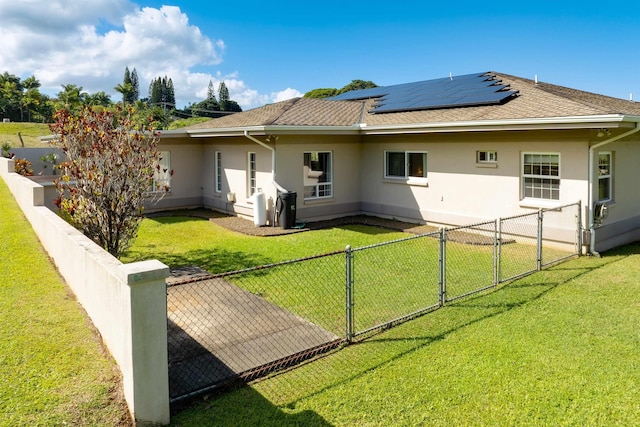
{"x": 486, "y": 156}
{"x": 405, "y": 164}
{"x": 317, "y": 175}
{"x": 604, "y": 177}
{"x": 218, "y": 172}
{"x": 162, "y": 173}
{"x": 541, "y": 176}
{"x": 251, "y": 184}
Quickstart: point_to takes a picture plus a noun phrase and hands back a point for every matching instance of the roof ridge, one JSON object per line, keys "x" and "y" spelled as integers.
{"x": 566, "y": 93}
{"x": 286, "y": 105}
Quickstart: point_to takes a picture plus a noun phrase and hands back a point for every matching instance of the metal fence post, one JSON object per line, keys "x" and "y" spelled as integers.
{"x": 349, "y": 293}
{"x": 579, "y": 228}
{"x": 499, "y": 244}
{"x": 442, "y": 263}
{"x": 495, "y": 253}
{"x": 539, "y": 260}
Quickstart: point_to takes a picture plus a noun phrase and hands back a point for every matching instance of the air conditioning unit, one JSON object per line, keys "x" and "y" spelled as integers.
{"x": 600, "y": 212}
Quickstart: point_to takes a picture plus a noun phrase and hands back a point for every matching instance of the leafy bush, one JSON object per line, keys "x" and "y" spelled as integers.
{"x": 6, "y": 150}
{"x": 23, "y": 167}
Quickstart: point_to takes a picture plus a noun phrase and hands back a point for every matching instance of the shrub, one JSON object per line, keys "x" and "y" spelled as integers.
{"x": 23, "y": 167}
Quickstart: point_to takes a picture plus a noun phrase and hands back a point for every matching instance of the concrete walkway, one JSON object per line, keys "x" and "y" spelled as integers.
{"x": 219, "y": 333}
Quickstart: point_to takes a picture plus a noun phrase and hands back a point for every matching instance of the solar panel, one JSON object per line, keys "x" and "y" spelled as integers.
{"x": 460, "y": 91}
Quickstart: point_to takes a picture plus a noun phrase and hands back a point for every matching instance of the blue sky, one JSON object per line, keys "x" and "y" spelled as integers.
{"x": 268, "y": 51}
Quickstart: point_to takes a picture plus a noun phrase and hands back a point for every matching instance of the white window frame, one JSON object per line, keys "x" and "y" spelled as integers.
{"x": 252, "y": 173}
{"x": 407, "y": 165}
{"x": 484, "y": 156}
{"x": 162, "y": 176}
{"x": 218, "y": 171}
{"x": 317, "y": 190}
{"x": 605, "y": 175}
{"x": 542, "y": 180}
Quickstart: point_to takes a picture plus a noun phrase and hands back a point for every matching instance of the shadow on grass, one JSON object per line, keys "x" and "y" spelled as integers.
{"x": 244, "y": 407}
{"x": 214, "y": 261}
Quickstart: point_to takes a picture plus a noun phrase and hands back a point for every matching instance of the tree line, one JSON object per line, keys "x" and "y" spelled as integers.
{"x": 22, "y": 101}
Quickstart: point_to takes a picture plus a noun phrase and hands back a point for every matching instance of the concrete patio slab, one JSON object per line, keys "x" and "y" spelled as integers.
{"x": 219, "y": 332}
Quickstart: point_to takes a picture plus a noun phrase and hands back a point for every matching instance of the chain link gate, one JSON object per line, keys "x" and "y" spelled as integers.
{"x": 243, "y": 325}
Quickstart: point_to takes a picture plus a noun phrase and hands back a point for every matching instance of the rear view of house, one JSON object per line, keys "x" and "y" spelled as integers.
{"x": 450, "y": 151}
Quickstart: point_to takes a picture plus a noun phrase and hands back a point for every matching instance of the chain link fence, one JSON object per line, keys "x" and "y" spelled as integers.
{"x": 247, "y": 324}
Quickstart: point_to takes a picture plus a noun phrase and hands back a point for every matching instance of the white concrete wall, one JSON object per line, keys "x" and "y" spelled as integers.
{"x": 126, "y": 302}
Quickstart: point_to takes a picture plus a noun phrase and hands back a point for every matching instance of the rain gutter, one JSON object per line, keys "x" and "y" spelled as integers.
{"x": 273, "y": 160}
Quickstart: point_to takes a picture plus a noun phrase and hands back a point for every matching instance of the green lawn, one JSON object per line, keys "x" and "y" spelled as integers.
{"x": 390, "y": 280}
{"x": 53, "y": 369}
{"x": 559, "y": 347}
{"x": 180, "y": 241}
{"x": 29, "y": 132}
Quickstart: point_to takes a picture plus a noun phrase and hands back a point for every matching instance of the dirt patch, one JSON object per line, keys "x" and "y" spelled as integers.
{"x": 245, "y": 226}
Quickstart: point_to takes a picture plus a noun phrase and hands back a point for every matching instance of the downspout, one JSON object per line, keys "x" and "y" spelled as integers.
{"x": 273, "y": 160}
{"x": 592, "y": 149}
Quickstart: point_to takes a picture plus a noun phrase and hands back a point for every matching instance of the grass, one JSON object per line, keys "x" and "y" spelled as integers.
{"x": 29, "y": 131}
{"x": 407, "y": 270}
{"x": 53, "y": 368}
{"x": 559, "y": 347}
{"x": 180, "y": 241}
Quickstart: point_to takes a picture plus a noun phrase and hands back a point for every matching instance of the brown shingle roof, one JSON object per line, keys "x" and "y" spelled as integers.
{"x": 534, "y": 100}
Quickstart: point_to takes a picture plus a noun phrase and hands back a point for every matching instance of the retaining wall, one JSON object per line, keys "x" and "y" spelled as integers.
{"x": 126, "y": 302}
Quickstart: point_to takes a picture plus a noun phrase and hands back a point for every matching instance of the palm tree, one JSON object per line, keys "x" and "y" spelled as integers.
{"x": 126, "y": 89}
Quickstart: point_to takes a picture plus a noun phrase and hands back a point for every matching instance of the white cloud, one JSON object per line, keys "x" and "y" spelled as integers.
{"x": 288, "y": 93}
{"x": 61, "y": 42}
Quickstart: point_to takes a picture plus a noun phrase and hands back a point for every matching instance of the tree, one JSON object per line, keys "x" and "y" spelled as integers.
{"x": 357, "y": 85}
{"x": 211, "y": 92}
{"x": 11, "y": 97}
{"x": 99, "y": 99}
{"x": 207, "y": 108}
{"x": 135, "y": 95}
{"x": 108, "y": 173}
{"x": 126, "y": 89}
{"x": 328, "y": 92}
{"x": 232, "y": 106}
{"x": 321, "y": 93}
{"x": 171, "y": 93}
{"x": 71, "y": 98}
{"x": 161, "y": 92}
{"x": 223, "y": 95}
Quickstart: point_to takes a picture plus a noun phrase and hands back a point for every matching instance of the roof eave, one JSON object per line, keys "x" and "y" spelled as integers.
{"x": 277, "y": 129}
{"x": 541, "y": 123}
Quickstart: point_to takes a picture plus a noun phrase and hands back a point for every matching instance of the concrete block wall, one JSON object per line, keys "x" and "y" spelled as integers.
{"x": 126, "y": 302}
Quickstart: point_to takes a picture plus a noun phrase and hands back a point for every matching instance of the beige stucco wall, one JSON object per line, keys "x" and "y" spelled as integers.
{"x": 235, "y": 159}
{"x": 459, "y": 190}
{"x": 289, "y": 152}
{"x": 346, "y": 161}
{"x": 186, "y": 161}
{"x": 622, "y": 225}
